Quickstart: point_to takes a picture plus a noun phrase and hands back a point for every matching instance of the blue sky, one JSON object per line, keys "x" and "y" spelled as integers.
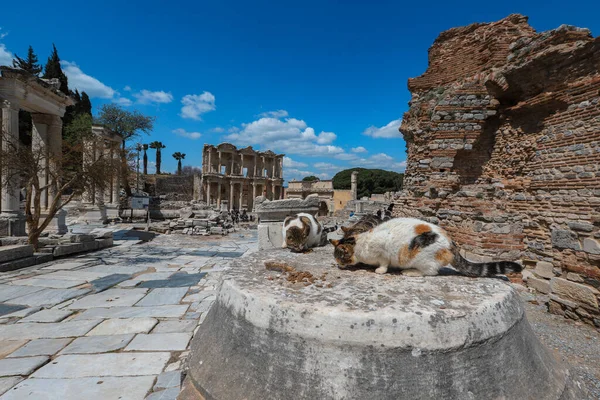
{"x": 324, "y": 82}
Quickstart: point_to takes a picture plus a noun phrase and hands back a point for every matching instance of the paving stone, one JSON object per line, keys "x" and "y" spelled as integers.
{"x": 49, "y": 297}
{"x": 178, "y": 279}
{"x": 75, "y": 275}
{"x": 65, "y": 265}
{"x": 110, "y": 298}
{"x": 168, "y": 380}
{"x": 49, "y": 283}
{"x": 41, "y": 347}
{"x": 163, "y": 296}
{"x": 21, "y": 366}
{"x": 98, "y": 344}
{"x": 229, "y": 254}
{"x": 47, "y": 331}
{"x": 160, "y": 341}
{"x": 175, "y": 326}
{"x": 115, "y": 269}
{"x": 6, "y": 309}
{"x": 168, "y": 394}
{"x": 47, "y": 316}
{"x": 94, "y": 388}
{"x": 124, "y": 326}
{"x": 112, "y": 364}
{"x": 8, "y": 292}
{"x": 24, "y": 312}
{"x": 170, "y": 311}
{"x": 152, "y": 276}
{"x": 108, "y": 281}
{"x": 8, "y": 382}
{"x": 9, "y": 346}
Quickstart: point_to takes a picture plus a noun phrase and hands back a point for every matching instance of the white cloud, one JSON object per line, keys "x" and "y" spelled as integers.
{"x": 291, "y": 136}
{"x": 86, "y": 83}
{"x": 122, "y": 101}
{"x": 289, "y": 163}
{"x": 194, "y": 105}
{"x": 3, "y": 35}
{"x": 218, "y": 129}
{"x": 346, "y": 156}
{"x": 274, "y": 114}
{"x": 6, "y": 56}
{"x": 127, "y": 88}
{"x": 324, "y": 166}
{"x": 359, "y": 149}
{"x": 381, "y": 161}
{"x": 149, "y": 97}
{"x": 326, "y": 137}
{"x": 388, "y": 131}
{"x": 189, "y": 135}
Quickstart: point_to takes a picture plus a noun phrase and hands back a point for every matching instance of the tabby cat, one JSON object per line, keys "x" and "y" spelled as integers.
{"x": 303, "y": 232}
{"x": 409, "y": 243}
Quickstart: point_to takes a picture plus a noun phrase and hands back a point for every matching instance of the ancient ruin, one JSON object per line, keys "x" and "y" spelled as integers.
{"x": 331, "y": 199}
{"x": 503, "y": 142}
{"x": 20, "y": 90}
{"x": 239, "y": 176}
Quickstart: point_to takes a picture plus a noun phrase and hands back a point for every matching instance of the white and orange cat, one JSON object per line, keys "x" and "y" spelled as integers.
{"x": 409, "y": 243}
{"x": 303, "y": 232}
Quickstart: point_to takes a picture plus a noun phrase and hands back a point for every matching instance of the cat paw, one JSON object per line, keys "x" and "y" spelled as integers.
{"x": 381, "y": 270}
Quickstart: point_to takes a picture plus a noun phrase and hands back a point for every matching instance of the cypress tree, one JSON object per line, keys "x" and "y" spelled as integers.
{"x": 53, "y": 70}
{"x": 85, "y": 104}
{"x": 30, "y": 64}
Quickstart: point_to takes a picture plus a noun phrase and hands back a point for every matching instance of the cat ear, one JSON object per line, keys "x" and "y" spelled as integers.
{"x": 287, "y": 220}
{"x": 334, "y": 242}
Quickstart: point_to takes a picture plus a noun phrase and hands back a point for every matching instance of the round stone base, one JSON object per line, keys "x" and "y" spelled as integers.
{"x": 352, "y": 334}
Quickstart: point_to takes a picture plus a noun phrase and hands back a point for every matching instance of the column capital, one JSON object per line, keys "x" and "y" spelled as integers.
{"x": 12, "y": 105}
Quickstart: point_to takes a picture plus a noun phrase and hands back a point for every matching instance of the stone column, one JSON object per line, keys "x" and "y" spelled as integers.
{"x": 241, "y": 196}
{"x": 231, "y": 188}
{"x": 232, "y": 171}
{"x": 13, "y": 221}
{"x": 263, "y": 167}
{"x": 55, "y": 145}
{"x": 354, "y": 184}
{"x": 115, "y": 171}
{"x": 208, "y": 199}
{"x": 89, "y": 156}
{"x": 220, "y": 161}
{"x": 274, "y": 164}
{"x": 39, "y": 145}
{"x": 209, "y": 166}
{"x": 255, "y": 159}
{"x": 219, "y": 190}
{"x": 242, "y": 165}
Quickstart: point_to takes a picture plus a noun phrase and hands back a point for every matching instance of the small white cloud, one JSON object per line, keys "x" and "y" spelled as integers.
{"x": 233, "y": 129}
{"x": 86, "y": 83}
{"x": 189, "y": 135}
{"x": 6, "y": 56}
{"x": 127, "y": 88}
{"x": 324, "y": 166}
{"x": 3, "y": 34}
{"x": 274, "y": 114}
{"x": 359, "y": 149}
{"x": 289, "y": 163}
{"x": 218, "y": 129}
{"x": 326, "y": 137}
{"x": 381, "y": 161}
{"x": 388, "y": 131}
{"x": 346, "y": 156}
{"x": 195, "y": 105}
{"x": 122, "y": 101}
{"x": 149, "y": 97}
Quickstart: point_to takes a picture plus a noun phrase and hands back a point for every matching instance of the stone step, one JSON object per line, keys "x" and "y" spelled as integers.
{"x": 37, "y": 258}
{"x": 14, "y": 252}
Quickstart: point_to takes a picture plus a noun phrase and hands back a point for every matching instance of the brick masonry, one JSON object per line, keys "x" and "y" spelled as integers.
{"x": 503, "y": 143}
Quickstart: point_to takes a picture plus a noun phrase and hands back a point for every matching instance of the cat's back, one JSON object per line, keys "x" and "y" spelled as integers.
{"x": 404, "y": 227}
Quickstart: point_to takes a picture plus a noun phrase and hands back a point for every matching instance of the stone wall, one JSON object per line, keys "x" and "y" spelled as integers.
{"x": 176, "y": 187}
{"x": 503, "y": 143}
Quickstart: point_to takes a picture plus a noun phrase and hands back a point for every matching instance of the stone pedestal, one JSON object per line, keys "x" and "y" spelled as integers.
{"x": 12, "y": 224}
{"x": 359, "y": 335}
{"x": 270, "y": 235}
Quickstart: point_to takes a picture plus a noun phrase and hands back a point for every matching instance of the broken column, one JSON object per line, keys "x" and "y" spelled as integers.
{"x": 354, "y": 185}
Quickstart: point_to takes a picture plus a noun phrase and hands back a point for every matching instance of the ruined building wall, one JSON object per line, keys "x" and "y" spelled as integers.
{"x": 503, "y": 143}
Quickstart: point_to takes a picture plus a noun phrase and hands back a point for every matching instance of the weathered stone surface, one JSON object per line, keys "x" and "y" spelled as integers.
{"x": 563, "y": 239}
{"x": 175, "y": 326}
{"x": 95, "y": 388}
{"x": 168, "y": 380}
{"x": 277, "y": 210}
{"x": 9, "y": 346}
{"x": 163, "y": 296}
{"x": 270, "y": 235}
{"x": 8, "y": 382}
{"x": 38, "y": 330}
{"x": 14, "y": 252}
{"x": 582, "y": 294}
{"x": 169, "y": 311}
{"x": 8, "y": 292}
{"x": 98, "y": 344}
{"x": 110, "y": 298}
{"x": 179, "y": 279}
{"x": 591, "y": 246}
{"x": 49, "y": 297}
{"x": 160, "y": 342}
{"x": 541, "y": 285}
{"x": 65, "y": 265}
{"x": 47, "y": 316}
{"x": 167, "y": 394}
{"x": 544, "y": 270}
{"x": 114, "y": 364}
{"x": 7, "y": 309}
{"x": 21, "y": 366}
{"x": 124, "y": 326}
{"x": 49, "y": 283}
{"x": 108, "y": 281}
{"x": 378, "y": 325}
{"x": 41, "y": 347}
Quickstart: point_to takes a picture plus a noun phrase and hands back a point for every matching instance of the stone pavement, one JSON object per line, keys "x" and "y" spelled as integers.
{"x": 113, "y": 324}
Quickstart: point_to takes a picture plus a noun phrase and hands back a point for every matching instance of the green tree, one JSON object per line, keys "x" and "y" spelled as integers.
{"x": 158, "y": 146}
{"x": 53, "y": 70}
{"x": 310, "y": 178}
{"x": 145, "y": 148}
{"x": 29, "y": 64}
{"x": 178, "y": 156}
{"x": 84, "y": 106}
{"x": 370, "y": 181}
{"x": 127, "y": 124}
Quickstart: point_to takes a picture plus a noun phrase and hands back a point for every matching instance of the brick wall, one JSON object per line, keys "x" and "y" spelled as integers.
{"x": 503, "y": 143}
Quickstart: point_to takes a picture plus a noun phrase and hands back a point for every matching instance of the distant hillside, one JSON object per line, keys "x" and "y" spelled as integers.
{"x": 370, "y": 181}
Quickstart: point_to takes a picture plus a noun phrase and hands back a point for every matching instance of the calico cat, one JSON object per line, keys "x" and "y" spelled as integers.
{"x": 368, "y": 222}
{"x": 409, "y": 243}
{"x": 303, "y": 232}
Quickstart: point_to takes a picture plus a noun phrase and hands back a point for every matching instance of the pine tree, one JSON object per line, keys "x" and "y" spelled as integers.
{"x": 53, "y": 70}
{"x": 30, "y": 64}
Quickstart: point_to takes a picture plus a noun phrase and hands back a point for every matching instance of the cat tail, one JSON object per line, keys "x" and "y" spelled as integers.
{"x": 330, "y": 229}
{"x": 390, "y": 207}
{"x": 470, "y": 268}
